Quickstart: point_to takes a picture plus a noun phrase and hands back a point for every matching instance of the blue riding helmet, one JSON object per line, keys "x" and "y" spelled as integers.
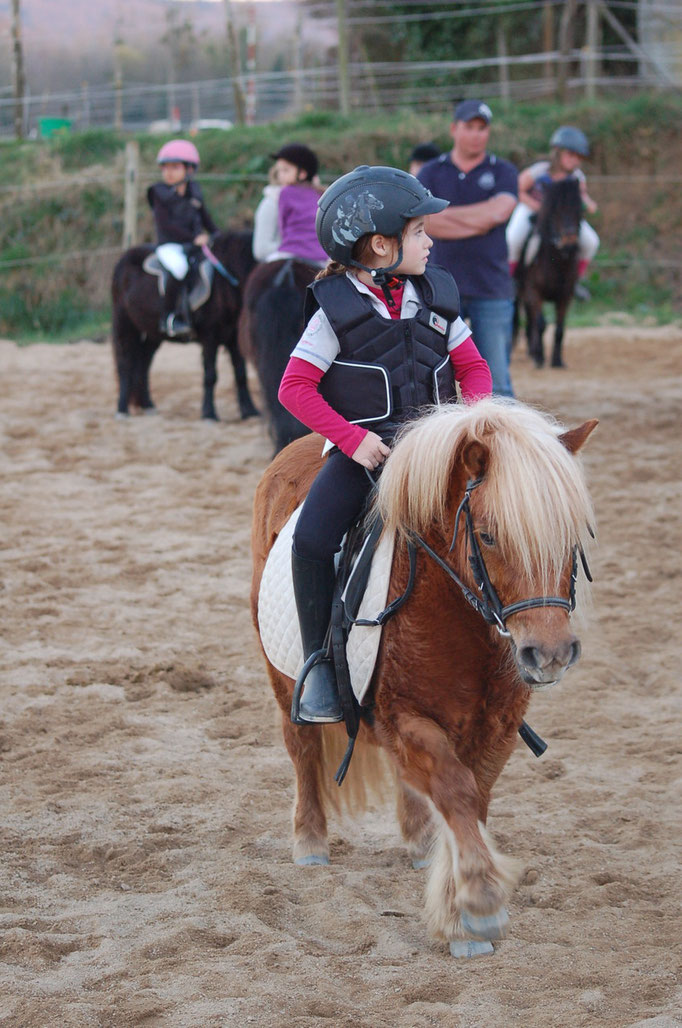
{"x": 567, "y": 137}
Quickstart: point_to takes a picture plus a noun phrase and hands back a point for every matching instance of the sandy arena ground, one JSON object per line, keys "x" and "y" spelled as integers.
{"x": 146, "y": 876}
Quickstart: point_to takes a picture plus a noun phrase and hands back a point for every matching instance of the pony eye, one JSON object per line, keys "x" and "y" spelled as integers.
{"x": 486, "y": 539}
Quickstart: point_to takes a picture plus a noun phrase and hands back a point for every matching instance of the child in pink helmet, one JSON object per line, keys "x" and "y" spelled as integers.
{"x": 182, "y": 223}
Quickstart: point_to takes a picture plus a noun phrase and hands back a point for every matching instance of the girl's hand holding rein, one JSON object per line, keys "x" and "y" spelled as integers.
{"x": 371, "y": 452}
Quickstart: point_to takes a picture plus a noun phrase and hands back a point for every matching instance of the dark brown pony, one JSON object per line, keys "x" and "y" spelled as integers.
{"x": 450, "y": 690}
{"x": 136, "y": 313}
{"x": 553, "y": 272}
{"x": 270, "y": 325}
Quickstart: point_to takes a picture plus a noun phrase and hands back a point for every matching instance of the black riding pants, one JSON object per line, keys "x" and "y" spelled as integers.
{"x": 332, "y": 506}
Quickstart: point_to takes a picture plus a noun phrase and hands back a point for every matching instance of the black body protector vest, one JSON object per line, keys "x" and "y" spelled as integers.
{"x": 386, "y": 370}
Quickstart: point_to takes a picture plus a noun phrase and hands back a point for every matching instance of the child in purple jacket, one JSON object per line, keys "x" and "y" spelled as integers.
{"x": 284, "y": 222}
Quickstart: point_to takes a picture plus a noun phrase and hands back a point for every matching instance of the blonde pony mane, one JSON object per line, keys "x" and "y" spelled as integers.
{"x": 533, "y": 498}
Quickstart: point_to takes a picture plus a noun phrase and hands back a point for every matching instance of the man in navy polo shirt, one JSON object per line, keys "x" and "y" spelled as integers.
{"x": 469, "y": 235}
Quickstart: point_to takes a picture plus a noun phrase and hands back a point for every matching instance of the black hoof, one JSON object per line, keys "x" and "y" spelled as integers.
{"x": 249, "y": 412}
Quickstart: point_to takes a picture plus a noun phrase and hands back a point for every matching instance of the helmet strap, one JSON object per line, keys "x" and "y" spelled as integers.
{"x": 383, "y": 276}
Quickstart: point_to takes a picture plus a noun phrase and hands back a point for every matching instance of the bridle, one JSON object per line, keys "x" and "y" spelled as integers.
{"x": 488, "y": 603}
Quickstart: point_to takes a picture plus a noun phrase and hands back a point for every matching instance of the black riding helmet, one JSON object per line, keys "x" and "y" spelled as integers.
{"x": 567, "y": 137}
{"x": 370, "y": 200}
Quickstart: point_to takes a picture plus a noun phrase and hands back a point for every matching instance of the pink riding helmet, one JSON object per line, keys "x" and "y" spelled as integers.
{"x": 178, "y": 150}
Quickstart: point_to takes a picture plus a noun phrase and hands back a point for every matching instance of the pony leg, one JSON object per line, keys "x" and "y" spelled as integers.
{"x": 209, "y": 350}
{"x": 304, "y": 745}
{"x": 247, "y": 408}
{"x": 139, "y": 392}
{"x": 125, "y": 339}
{"x": 557, "y": 360}
{"x": 469, "y": 882}
{"x": 416, "y": 825}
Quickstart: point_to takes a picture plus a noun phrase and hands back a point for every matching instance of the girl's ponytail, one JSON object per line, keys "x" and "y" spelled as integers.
{"x": 333, "y": 268}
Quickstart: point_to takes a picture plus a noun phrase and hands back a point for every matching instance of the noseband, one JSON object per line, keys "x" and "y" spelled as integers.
{"x": 488, "y": 603}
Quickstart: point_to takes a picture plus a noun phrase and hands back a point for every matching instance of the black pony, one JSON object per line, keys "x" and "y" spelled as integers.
{"x": 552, "y": 272}
{"x": 270, "y": 325}
{"x": 136, "y": 312}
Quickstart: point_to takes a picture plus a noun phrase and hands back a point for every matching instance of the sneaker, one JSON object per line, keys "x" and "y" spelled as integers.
{"x": 581, "y": 292}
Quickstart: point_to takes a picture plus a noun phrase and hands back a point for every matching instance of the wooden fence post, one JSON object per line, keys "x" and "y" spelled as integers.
{"x": 132, "y": 174}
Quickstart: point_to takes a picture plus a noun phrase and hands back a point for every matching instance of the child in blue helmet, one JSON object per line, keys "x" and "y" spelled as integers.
{"x": 568, "y": 148}
{"x": 385, "y": 340}
{"x": 182, "y": 223}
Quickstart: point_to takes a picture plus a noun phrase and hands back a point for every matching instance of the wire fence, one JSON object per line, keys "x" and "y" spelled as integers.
{"x": 276, "y": 95}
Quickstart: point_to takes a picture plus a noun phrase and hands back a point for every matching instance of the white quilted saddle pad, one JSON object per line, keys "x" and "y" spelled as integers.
{"x": 278, "y": 621}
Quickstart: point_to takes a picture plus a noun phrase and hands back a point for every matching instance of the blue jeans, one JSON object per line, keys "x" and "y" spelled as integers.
{"x": 491, "y": 328}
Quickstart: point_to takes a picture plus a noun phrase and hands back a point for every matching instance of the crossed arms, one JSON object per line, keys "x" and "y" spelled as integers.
{"x": 473, "y": 219}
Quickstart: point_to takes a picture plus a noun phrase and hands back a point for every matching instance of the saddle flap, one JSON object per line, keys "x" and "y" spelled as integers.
{"x": 278, "y": 621}
{"x": 200, "y": 278}
{"x": 152, "y": 265}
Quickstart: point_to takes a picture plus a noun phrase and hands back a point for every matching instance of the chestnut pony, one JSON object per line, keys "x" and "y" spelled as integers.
{"x": 501, "y": 481}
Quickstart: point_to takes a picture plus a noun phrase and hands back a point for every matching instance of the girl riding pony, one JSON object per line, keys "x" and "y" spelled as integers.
{"x": 568, "y": 147}
{"x": 284, "y": 221}
{"x": 385, "y": 340}
{"x": 182, "y": 223}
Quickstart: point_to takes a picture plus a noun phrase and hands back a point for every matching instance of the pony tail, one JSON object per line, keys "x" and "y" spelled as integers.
{"x": 333, "y": 268}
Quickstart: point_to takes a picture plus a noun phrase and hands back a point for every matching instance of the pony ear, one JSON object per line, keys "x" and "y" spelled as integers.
{"x": 576, "y": 438}
{"x": 475, "y": 459}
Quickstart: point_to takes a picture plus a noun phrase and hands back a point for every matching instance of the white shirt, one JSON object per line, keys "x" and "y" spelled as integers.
{"x": 319, "y": 345}
{"x": 266, "y": 237}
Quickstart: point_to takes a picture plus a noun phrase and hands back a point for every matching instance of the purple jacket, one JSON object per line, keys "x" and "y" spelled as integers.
{"x": 297, "y": 211}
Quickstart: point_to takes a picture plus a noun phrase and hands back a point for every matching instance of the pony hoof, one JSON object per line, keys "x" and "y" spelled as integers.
{"x": 250, "y": 413}
{"x": 419, "y": 863}
{"x": 122, "y": 415}
{"x": 470, "y": 948}
{"x": 150, "y": 412}
{"x": 313, "y": 859}
{"x": 492, "y": 926}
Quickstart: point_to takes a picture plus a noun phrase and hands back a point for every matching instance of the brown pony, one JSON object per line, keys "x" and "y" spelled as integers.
{"x": 495, "y": 500}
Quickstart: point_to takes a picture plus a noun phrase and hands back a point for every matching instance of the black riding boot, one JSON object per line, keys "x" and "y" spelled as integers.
{"x": 173, "y": 321}
{"x": 313, "y": 589}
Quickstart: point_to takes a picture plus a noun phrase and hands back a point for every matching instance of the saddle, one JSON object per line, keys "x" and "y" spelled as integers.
{"x": 199, "y": 280}
{"x": 358, "y": 614}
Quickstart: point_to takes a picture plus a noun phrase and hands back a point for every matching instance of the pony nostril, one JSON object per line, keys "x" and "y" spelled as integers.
{"x": 575, "y": 652}
{"x": 529, "y": 656}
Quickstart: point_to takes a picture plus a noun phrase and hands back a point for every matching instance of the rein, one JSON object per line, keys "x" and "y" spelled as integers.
{"x": 218, "y": 265}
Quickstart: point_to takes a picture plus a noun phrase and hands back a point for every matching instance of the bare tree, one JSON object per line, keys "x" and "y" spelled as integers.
{"x": 18, "y": 79}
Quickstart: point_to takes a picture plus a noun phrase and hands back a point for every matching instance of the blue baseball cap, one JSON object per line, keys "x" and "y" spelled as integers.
{"x": 467, "y": 110}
